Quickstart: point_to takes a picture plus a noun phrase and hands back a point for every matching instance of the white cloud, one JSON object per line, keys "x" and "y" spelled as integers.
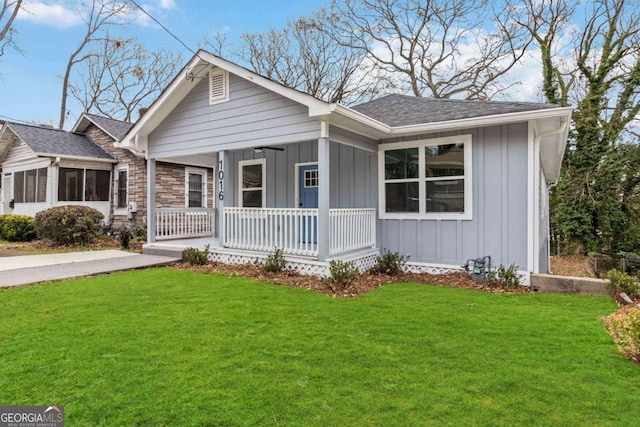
{"x": 168, "y": 4}
{"x": 45, "y": 13}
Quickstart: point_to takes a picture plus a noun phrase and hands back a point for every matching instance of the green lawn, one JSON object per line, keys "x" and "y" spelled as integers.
{"x": 165, "y": 347}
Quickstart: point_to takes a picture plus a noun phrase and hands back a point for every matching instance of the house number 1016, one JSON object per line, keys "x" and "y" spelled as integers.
{"x": 220, "y": 181}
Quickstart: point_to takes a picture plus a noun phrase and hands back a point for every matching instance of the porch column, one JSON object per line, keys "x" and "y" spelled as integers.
{"x": 223, "y": 194}
{"x": 324, "y": 221}
{"x": 151, "y": 200}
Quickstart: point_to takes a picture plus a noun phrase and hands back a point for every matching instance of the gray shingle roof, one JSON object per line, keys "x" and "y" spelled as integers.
{"x": 404, "y": 110}
{"x": 116, "y": 128}
{"x": 58, "y": 142}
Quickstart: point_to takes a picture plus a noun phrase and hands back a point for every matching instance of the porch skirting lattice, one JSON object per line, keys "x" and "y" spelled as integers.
{"x": 307, "y": 267}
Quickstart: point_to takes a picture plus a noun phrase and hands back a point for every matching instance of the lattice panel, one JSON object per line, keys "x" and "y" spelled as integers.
{"x": 430, "y": 269}
{"x": 365, "y": 263}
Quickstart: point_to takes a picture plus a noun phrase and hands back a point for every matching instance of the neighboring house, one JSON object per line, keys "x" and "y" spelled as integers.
{"x": 44, "y": 167}
{"x": 439, "y": 181}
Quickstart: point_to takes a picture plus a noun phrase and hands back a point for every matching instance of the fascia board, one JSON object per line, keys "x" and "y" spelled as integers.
{"x": 88, "y": 159}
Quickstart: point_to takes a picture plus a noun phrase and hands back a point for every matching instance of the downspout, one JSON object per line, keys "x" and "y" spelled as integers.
{"x": 564, "y": 123}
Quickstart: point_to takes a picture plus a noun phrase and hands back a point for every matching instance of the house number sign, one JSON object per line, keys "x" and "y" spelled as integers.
{"x": 220, "y": 181}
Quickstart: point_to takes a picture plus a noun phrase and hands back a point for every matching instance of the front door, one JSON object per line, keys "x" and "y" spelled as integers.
{"x": 308, "y": 199}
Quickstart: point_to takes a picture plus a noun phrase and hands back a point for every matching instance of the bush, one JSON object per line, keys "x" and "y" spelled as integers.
{"x": 17, "y": 228}
{"x": 622, "y": 282}
{"x": 69, "y": 225}
{"x": 505, "y": 277}
{"x": 391, "y": 263}
{"x": 274, "y": 263}
{"x": 196, "y": 256}
{"x": 343, "y": 274}
{"x": 624, "y": 328}
{"x": 124, "y": 234}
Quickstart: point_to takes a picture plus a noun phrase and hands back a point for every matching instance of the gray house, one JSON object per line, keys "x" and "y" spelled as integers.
{"x": 440, "y": 181}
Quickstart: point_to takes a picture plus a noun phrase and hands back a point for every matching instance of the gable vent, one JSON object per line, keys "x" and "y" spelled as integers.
{"x": 218, "y": 86}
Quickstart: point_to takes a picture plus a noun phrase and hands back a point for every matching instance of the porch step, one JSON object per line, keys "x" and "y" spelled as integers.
{"x": 164, "y": 250}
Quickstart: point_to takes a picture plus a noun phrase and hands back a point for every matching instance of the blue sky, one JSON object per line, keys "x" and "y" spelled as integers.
{"x": 30, "y": 83}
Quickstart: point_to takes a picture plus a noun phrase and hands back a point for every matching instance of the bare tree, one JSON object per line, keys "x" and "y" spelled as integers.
{"x": 97, "y": 15}
{"x": 122, "y": 75}
{"x": 438, "y": 48}
{"x": 304, "y": 56}
{"x": 8, "y": 13}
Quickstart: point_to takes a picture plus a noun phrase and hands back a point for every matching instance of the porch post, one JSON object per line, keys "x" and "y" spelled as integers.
{"x": 151, "y": 200}
{"x": 222, "y": 194}
{"x": 324, "y": 221}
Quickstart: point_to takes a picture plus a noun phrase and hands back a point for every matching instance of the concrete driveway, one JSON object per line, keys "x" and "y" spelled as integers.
{"x": 28, "y": 269}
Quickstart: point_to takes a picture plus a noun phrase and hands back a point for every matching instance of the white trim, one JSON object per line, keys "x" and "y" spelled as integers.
{"x": 120, "y": 210}
{"x": 224, "y": 97}
{"x": 195, "y": 171}
{"x": 421, "y": 144}
{"x": 297, "y": 178}
{"x": 242, "y": 164}
{"x": 82, "y": 158}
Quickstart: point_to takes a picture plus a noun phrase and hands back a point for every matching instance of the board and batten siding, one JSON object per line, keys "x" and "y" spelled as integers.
{"x": 353, "y": 174}
{"x": 253, "y": 116}
{"x": 499, "y": 224}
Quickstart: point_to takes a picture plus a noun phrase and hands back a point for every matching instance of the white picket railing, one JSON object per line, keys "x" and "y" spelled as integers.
{"x": 295, "y": 231}
{"x": 352, "y": 229}
{"x": 179, "y": 223}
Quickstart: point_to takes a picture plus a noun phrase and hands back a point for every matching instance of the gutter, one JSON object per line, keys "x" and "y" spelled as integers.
{"x": 89, "y": 159}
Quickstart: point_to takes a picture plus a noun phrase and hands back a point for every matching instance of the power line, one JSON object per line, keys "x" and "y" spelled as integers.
{"x": 11, "y": 119}
{"x": 163, "y": 27}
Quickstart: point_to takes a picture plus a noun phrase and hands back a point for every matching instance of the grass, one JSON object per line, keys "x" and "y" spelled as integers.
{"x": 165, "y": 347}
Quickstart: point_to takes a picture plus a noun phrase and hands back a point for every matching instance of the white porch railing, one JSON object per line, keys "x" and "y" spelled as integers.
{"x": 352, "y": 229}
{"x": 295, "y": 231}
{"x": 179, "y": 223}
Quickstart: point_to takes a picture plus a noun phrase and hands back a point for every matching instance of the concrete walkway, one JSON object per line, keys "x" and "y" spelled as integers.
{"x": 28, "y": 269}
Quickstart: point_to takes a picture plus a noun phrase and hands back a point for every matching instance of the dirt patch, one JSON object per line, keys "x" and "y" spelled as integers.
{"x": 573, "y": 265}
{"x": 362, "y": 285}
{"x": 44, "y": 246}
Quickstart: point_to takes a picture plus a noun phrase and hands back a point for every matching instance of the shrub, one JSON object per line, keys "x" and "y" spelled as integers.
{"x": 622, "y": 282}
{"x": 69, "y": 225}
{"x": 16, "y": 228}
{"x": 124, "y": 234}
{"x": 505, "y": 277}
{"x": 274, "y": 263}
{"x": 390, "y": 263}
{"x": 624, "y": 328}
{"x": 197, "y": 256}
{"x": 343, "y": 274}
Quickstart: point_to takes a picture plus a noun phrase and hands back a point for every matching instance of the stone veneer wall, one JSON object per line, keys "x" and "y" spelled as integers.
{"x": 170, "y": 180}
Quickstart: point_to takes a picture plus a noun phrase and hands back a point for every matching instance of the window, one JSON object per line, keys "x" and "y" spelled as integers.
{"x": 89, "y": 185}
{"x": 426, "y": 179}
{"x": 196, "y": 188}
{"x": 252, "y": 183}
{"x": 311, "y": 178}
{"x": 121, "y": 188}
{"x": 218, "y": 86}
{"x": 30, "y": 186}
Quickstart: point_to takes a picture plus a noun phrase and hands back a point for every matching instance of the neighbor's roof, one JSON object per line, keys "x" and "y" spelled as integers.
{"x": 117, "y": 129}
{"x": 57, "y": 142}
{"x": 404, "y": 110}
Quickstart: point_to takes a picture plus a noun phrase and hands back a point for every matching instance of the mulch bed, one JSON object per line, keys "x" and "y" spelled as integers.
{"x": 362, "y": 285}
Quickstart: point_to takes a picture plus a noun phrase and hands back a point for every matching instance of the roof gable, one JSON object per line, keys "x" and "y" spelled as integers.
{"x": 116, "y": 129}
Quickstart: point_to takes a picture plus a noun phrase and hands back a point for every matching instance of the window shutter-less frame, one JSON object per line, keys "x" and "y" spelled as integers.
{"x": 218, "y": 86}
